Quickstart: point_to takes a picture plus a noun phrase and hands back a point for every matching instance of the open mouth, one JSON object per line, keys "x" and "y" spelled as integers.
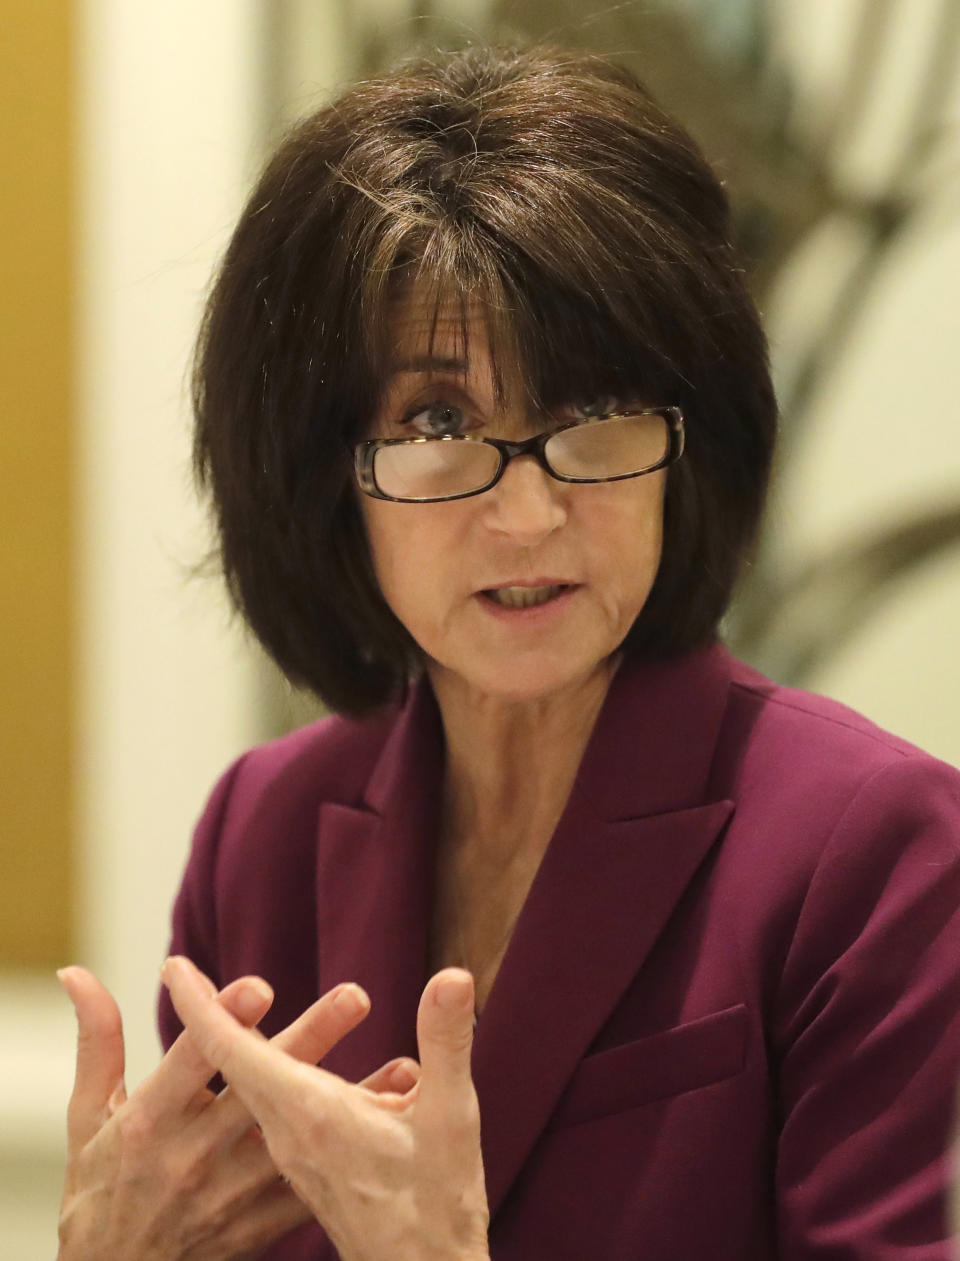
{"x": 524, "y": 597}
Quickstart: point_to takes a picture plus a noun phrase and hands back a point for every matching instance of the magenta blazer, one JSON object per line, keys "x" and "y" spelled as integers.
{"x": 727, "y": 1026}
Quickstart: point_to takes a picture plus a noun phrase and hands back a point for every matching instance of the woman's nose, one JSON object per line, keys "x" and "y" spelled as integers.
{"x": 527, "y": 503}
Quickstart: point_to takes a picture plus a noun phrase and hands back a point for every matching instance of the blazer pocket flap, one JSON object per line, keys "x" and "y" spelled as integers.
{"x": 687, "y": 1057}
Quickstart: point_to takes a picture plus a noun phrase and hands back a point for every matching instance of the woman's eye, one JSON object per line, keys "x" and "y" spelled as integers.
{"x": 596, "y": 408}
{"x": 435, "y": 419}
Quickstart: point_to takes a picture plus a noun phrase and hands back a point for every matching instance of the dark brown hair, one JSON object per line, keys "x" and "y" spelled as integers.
{"x": 552, "y": 190}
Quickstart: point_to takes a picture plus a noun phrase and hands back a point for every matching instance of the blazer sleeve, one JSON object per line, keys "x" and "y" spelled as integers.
{"x": 868, "y": 1034}
{"x": 194, "y": 927}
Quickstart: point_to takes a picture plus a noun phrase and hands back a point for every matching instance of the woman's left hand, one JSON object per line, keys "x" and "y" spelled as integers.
{"x": 390, "y": 1177}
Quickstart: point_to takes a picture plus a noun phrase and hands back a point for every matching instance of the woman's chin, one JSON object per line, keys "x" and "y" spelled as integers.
{"x": 523, "y": 680}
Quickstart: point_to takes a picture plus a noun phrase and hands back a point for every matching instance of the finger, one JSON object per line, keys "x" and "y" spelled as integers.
{"x": 265, "y": 1078}
{"x": 392, "y": 1083}
{"x": 181, "y": 1077}
{"x": 445, "y": 1036}
{"x": 398, "y": 1076}
{"x": 324, "y": 1023}
{"x": 396, "y": 1086}
{"x": 98, "y": 1080}
{"x": 308, "y": 1038}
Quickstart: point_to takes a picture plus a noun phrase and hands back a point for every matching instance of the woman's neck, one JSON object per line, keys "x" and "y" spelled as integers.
{"x": 511, "y": 765}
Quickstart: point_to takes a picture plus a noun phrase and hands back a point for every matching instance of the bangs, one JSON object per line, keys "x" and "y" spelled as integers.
{"x": 450, "y": 282}
{"x": 553, "y": 344}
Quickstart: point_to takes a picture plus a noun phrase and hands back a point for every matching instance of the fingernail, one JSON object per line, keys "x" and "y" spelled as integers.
{"x": 453, "y": 992}
{"x": 178, "y": 966}
{"x": 252, "y": 997}
{"x": 403, "y": 1078}
{"x": 351, "y": 1000}
{"x": 64, "y": 977}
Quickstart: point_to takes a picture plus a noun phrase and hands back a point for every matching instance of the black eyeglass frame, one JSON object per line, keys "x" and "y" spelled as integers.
{"x": 364, "y": 454}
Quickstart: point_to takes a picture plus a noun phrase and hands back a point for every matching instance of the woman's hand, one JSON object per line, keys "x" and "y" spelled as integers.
{"x": 391, "y": 1177}
{"x": 175, "y": 1171}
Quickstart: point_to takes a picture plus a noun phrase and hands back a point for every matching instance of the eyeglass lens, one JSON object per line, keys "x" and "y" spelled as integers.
{"x": 597, "y": 450}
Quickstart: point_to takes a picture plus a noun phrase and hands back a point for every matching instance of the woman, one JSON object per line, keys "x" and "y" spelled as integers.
{"x": 484, "y": 409}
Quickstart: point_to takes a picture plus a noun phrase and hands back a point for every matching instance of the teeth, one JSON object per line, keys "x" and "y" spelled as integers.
{"x": 523, "y": 597}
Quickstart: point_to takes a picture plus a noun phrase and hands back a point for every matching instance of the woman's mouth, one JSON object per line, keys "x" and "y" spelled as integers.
{"x": 523, "y": 605}
{"x": 523, "y": 597}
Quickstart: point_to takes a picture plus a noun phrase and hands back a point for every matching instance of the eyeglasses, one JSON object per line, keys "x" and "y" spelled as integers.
{"x": 455, "y": 466}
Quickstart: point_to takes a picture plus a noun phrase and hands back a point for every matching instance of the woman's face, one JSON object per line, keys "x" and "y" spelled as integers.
{"x": 434, "y": 561}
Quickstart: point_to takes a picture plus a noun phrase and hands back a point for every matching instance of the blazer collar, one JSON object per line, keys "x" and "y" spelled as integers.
{"x": 653, "y": 744}
{"x": 636, "y": 828}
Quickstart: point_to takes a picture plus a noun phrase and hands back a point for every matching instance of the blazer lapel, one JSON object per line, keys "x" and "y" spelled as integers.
{"x": 631, "y": 838}
{"x": 597, "y": 905}
{"x": 375, "y": 872}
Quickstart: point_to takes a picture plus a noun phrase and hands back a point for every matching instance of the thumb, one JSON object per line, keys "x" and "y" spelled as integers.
{"x": 445, "y": 1034}
{"x": 98, "y": 1086}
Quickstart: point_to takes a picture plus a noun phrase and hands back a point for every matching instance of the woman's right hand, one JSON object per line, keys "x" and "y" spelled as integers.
{"x": 174, "y": 1171}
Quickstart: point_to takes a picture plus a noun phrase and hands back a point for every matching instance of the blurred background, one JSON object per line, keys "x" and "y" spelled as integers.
{"x": 129, "y": 136}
